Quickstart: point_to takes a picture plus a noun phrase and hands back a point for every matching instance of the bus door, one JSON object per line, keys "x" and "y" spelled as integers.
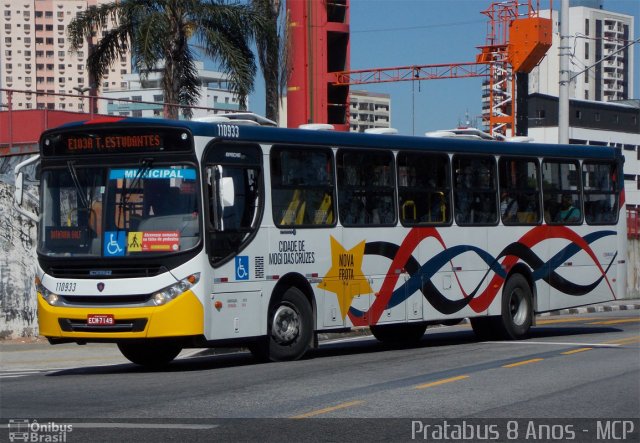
{"x": 234, "y": 200}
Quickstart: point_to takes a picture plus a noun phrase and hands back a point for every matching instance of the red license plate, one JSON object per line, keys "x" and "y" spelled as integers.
{"x": 100, "y": 320}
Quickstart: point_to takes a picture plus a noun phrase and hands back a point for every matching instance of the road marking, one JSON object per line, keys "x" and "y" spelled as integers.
{"x": 524, "y": 362}
{"x": 575, "y": 351}
{"x": 616, "y": 322}
{"x": 622, "y": 341}
{"x": 557, "y": 343}
{"x": 441, "y": 382}
{"x": 564, "y": 320}
{"x": 329, "y": 409}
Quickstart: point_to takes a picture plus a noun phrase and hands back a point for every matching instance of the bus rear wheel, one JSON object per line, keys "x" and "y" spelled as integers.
{"x": 516, "y": 317}
{"x": 290, "y": 328}
{"x": 150, "y": 353}
{"x": 517, "y": 308}
{"x": 399, "y": 334}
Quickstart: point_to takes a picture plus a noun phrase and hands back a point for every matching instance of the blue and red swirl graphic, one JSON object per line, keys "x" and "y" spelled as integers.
{"x": 498, "y": 268}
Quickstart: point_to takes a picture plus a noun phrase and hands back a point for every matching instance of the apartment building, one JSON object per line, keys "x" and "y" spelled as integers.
{"x": 600, "y": 42}
{"x": 369, "y": 110}
{"x": 215, "y": 96}
{"x": 35, "y": 55}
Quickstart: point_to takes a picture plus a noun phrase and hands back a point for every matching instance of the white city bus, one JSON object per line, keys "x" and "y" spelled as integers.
{"x": 162, "y": 235}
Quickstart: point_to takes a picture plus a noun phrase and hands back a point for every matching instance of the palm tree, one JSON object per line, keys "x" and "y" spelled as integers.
{"x": 158, "y": 32}
{"x": 271, "y": 43}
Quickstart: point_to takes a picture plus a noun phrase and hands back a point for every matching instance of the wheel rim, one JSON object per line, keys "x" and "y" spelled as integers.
{"x": 518, "y": 307}
{"x": 286, "y": 325}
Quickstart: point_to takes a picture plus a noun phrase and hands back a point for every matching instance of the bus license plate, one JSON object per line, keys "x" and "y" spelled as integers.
{"x": 100, "y": 320}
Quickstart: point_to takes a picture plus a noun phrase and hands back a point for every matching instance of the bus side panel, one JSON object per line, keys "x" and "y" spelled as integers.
{"x": 582, "y": 266}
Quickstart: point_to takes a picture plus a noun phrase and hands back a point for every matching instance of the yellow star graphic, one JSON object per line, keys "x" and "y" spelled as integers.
{"x": 345, "y": 278}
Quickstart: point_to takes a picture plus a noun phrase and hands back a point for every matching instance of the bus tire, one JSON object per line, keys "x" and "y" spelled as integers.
{"x": 517, "y": 308}
{"x": 150, "y": 353}
{"x": 290, "y": 327}
{"x": 399, "y": 334}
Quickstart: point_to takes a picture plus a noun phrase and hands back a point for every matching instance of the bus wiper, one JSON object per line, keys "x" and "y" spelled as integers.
{"x": 126, "y": 193}
{"x": 76, "y": 182}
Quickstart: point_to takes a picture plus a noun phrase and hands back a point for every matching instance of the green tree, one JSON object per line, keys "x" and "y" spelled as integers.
{"x": 272, "y": 47}
{"x": 158, "y": 33}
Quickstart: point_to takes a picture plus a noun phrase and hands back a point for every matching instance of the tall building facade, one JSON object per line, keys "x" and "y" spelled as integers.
{"x": 215, "y": 96}
{"x": 35, "y": 55}
{"x": 602, "y": 108}
{"x": 369, "y": 110}
{"x": 599, "y": 42}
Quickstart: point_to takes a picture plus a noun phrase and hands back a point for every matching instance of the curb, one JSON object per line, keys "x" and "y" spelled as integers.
{"x": 591, "y": 309}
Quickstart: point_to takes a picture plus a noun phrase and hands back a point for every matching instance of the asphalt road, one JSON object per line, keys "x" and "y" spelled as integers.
{"x": 576, "y": 378}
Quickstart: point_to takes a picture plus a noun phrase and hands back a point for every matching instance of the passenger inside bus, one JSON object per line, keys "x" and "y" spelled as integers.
{"x": 568, "y": 212}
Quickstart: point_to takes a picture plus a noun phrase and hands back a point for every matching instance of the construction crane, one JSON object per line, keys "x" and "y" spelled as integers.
{"x": 517, "y": 39}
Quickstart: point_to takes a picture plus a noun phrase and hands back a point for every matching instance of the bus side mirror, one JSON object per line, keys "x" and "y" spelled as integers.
{"x": 227, "y": 193}
{"x": 17, "y": 196}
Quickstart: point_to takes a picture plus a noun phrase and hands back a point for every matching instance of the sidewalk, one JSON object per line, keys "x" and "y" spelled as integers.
{"x": 36, "y": 354}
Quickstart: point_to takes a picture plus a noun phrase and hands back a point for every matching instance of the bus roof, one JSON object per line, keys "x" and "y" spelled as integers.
{"x": 361, "y": 140}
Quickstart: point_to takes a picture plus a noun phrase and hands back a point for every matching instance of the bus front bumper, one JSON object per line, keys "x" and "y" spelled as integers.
{"x": 183, "y": 316}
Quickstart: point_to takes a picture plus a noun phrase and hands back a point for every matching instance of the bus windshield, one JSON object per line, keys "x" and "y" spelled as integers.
{"x": 119, "y": 211}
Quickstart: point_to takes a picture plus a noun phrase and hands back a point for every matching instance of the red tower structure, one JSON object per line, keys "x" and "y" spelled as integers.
{"x": 319, "y": 47}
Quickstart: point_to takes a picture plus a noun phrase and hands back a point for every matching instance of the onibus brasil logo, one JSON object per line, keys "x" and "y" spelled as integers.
{"x": 32, "y": 431}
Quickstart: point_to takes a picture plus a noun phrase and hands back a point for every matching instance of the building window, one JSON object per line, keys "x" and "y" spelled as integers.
{"x": 540, "y": 113}
{"x": 586, "y": 50}
{"x": 597, "y": 116}
{"x": 579, "y": 114}
{"x": 586, "y": 95}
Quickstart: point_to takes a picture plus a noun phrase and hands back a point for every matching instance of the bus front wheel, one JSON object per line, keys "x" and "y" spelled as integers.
{"x": 290, "y": 328}
{"x": 150, "y": 353}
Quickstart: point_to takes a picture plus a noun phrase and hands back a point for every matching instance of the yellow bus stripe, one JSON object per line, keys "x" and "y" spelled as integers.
{"x": 441, "y": 382}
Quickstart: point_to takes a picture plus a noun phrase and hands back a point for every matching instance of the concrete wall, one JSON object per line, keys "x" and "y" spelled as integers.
{"x": 633, "y": 268}
{"x": 18, "y": 316}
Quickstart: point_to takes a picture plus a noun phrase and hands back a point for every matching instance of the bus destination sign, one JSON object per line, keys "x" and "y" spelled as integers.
{"x": 96, "y": 144}
{"x": 115, "y": 141}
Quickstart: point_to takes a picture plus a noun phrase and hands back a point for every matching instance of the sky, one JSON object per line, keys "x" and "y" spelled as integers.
{"x": 388, "y": 33}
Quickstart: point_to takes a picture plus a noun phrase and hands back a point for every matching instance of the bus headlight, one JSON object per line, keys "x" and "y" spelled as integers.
{"x": 169, "y": 293}
{"x": 49, "y": 296}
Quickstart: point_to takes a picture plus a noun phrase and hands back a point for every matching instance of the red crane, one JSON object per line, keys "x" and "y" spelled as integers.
{"x": 517, "y": 39}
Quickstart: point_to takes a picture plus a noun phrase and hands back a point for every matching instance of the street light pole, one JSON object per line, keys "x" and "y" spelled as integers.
{"x": 81, "y": 90}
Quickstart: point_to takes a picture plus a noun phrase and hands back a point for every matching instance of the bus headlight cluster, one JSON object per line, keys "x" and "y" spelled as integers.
{"x": 169, "y": 293}
{"x": 50, "y": 297}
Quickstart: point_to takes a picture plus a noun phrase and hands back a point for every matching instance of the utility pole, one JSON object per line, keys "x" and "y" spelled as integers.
{"x": 564, "y": 51}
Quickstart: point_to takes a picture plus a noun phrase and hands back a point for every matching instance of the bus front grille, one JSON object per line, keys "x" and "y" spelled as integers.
{"x": 80, "y": 271}
{"x": 80, "y": 325}
{"x": 106, "y": 299}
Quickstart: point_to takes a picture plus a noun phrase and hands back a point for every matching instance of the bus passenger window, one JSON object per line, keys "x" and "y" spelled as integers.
{"x": 423, "y": 188}
{"x": 366, "y": 185}
{"x": 475, "y": 190}
{"x": 302, "y": 187}
{"x": 600, "y": 193}
{"x": 561, "y": 191}
{"x": 519, "y": 191}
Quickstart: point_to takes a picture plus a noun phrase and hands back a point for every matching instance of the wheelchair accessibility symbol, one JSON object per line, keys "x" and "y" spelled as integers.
{"x": 114, "y": 243}
{"x": 242, "y": 267}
